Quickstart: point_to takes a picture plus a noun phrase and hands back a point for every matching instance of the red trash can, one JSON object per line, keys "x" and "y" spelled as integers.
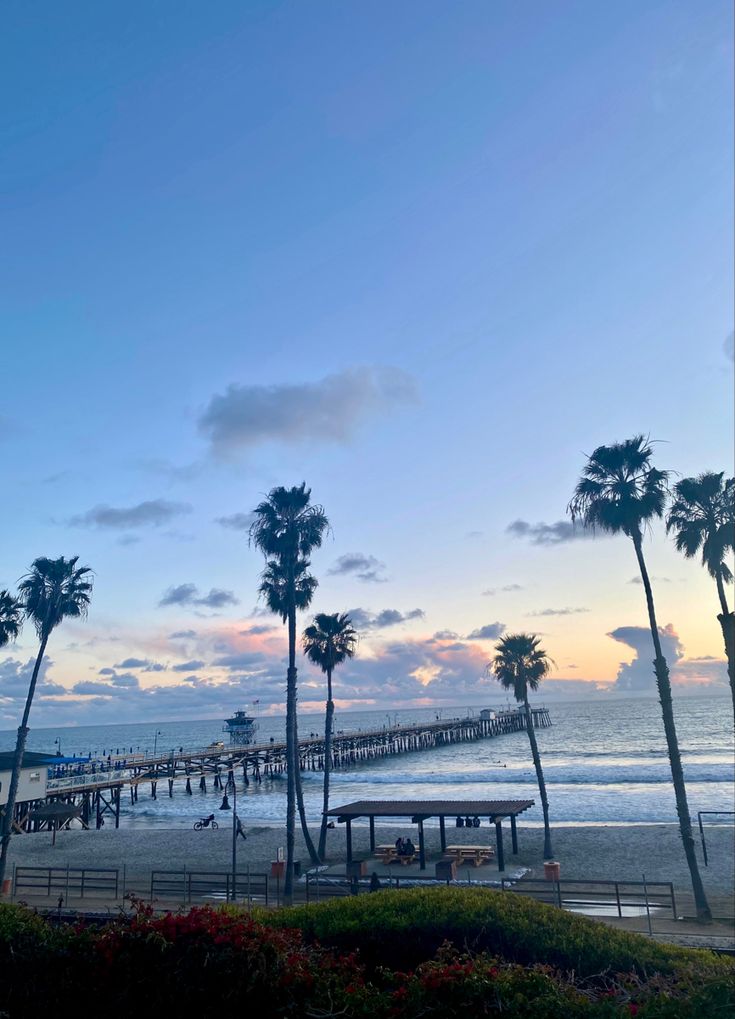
{"x": 552, "y": 870}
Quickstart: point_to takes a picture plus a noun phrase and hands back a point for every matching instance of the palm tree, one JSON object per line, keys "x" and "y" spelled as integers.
{"x": 286, "y": 529}
{"x": 11, "y": 618}
{"x": 702, "y": 516}
{"x": 54, "y": 590}
{"x": 328, "y": 642}
{"x": 621, "y": 493}
{"x": 519, "y": 665}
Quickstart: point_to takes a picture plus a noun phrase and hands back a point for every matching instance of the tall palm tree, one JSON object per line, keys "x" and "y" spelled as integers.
{"x": 328, "y": 642}
{"x": 274, "y": 587}
{"x": 702, "y": 516}
{"x": 53, "y": 590}
{"x": 519, "y": 665}
{"x": 286, "y": 529}
{"x": 11, "y": 618}
{"x": 621, "y": 493}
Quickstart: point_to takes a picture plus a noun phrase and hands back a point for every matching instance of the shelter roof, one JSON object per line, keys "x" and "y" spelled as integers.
{"x": 430, "y": 808}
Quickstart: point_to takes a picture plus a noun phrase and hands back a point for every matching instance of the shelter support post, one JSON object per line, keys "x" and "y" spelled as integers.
{"x": 499, "y": 843}
{"x": 442, "y": 834}
{"x": 514, "y": 833}
{"x": 348, "y": 833}
{"x": 372, "y": 834}
{"x": 422, "y": 847}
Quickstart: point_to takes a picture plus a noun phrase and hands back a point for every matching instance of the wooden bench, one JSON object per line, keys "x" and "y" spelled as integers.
{"x": 388, "y": 855}
{"x": 476, "y": 855}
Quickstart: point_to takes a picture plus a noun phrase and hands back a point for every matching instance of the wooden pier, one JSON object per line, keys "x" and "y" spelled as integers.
{"x": 94, "y": 791}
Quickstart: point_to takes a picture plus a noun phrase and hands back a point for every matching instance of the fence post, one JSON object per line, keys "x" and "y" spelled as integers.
{"x": 648, "y": 909}
{"x": 558, "y": 894}
{"x": 673, "y": 901}
{"x": 617, "y": 899}
{"x": 124, "y": 881}
{"x": 67, "y": 882}
{"x": 12, "y": 886}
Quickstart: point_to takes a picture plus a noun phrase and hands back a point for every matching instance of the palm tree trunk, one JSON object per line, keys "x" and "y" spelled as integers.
{"x": 548, "y": 852}
{"x": 20, "y": 745}
{"x": 327, "y": 764}
{"x": 727, "y": 622}
{"x": 290, "y": 755}
{"x": 677, "y": 772}
{"x": 300, "y": 800}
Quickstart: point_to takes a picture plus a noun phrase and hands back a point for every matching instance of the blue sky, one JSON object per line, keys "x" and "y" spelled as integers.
{"x": 423, "y": 256}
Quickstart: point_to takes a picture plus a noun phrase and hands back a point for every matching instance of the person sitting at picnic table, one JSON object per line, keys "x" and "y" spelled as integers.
{"x": 399, "y": 845}
{"x": 409, "y": 849}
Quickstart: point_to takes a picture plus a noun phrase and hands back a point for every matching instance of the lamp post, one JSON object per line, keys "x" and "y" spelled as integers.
{"x": 234, "y": 838}
{"x": 155, "y": 740}
{"x": 57, "y": 742}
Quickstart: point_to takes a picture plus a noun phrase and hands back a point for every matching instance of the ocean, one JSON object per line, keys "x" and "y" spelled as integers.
{"x": 604, "y": 760}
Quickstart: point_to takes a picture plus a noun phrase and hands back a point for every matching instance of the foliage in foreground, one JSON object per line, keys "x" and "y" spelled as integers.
{"x": 226, "y": 962}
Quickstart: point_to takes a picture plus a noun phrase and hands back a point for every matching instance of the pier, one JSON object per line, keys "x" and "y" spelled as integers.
{"x": 94, "y": 791}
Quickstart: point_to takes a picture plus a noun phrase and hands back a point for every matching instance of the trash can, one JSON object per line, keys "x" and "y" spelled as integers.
{"x": 446, "y": 870}
{"x": 6, "y": 886}
{"x": 551, "y": 870}
{"x": 278, "y": 868}
{"x": 357, "y": 868}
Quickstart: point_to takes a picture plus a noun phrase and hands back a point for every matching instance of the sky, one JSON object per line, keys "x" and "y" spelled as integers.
{"x": 422, "y": 256}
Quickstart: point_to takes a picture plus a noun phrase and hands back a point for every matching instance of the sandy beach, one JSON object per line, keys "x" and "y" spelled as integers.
{"x": 605, "y": 852}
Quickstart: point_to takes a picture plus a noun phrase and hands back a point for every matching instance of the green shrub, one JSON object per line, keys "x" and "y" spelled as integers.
{"x": 404, "y": 928}
{"x": 224, "y": 962}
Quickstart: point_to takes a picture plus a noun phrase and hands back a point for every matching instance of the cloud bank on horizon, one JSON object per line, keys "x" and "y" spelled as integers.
{"x": 236, "y": 666}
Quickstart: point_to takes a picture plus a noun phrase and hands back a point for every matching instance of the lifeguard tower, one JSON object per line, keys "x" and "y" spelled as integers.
{"x": 242, "y": 728}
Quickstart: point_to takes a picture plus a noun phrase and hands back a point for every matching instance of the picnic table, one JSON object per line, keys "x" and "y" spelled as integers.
{"x": 476, "y": 855}
{"x": 389, "y": 854}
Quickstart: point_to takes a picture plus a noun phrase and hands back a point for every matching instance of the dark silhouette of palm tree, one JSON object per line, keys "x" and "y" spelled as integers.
{"x": 53, "y": 590}
{"x": 286, "y": 529}
{"x": 621, "y": 493}
{"x": 11, "y": 618}
{"x": 328, "y": 642}
{"x": 519, "y": 665}
{"x": 702, "y": 516}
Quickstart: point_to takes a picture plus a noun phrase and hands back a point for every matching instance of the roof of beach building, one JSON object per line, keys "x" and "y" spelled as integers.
{"x": 431, "y": 808}
{"x": 30, "y": 759}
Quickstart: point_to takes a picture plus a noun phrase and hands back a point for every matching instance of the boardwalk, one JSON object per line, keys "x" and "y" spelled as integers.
{"x": 95, "y": 789}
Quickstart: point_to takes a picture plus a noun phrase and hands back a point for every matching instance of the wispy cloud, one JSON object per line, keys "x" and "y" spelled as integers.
{"x": 366, "y": 568}
{"x": 328, "y": 410}
{"x": 558, "y": 533}
{"x": 140, "y": 663}
{"x": 151, "y": 513}
{"x": 491, "y": 631}
{"x": 188, "y": 594}
{"x": 363, "y": 619}
{"x": 237, "y": 521}
{"x": 557, "y": 612}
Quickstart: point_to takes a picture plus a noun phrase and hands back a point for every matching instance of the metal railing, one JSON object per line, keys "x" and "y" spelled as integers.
{"x": 618, "y": 895}
{"x": 187, "y": 886}
{"x": 621, "y": 897}
{"x": 74, "y": 882}
{"x": 710, "y": 813}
